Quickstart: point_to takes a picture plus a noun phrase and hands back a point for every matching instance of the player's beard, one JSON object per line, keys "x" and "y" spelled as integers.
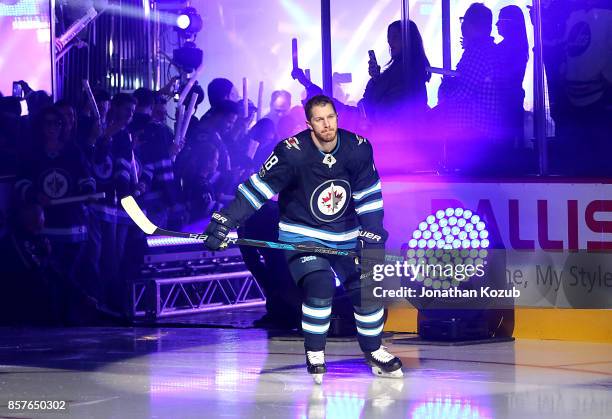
{"x": 327, "y": 136}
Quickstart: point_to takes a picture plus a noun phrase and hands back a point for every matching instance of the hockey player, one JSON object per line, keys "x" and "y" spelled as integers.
{"x": 329, "y": 194}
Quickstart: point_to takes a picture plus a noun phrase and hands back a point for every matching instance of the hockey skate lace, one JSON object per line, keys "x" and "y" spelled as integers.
{"x": 316, "y": 358}
{"x": 382, "y": 355}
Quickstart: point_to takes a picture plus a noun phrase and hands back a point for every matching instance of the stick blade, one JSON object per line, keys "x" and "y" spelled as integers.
{"x": 130, "y": 206}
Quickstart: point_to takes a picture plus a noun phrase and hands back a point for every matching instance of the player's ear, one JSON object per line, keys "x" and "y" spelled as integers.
{"x": 309, "y": 125}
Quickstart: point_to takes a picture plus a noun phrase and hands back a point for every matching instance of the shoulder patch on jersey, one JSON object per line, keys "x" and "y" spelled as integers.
{"x": 360, "y": 139}
{"x": 293, "y": 142}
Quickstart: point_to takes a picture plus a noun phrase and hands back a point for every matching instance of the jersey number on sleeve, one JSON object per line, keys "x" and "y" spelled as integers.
{"x": 271, "y": 162}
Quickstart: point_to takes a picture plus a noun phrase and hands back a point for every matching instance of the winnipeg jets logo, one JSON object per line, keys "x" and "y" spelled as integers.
{"x": 330, "y": 199}
{"x": 104, "y": 170}
{"x": 329, "y": 160}
{"x": 293, "y": 142}
{"x": 55, "y": 184}
{"x": 360, "y": 139}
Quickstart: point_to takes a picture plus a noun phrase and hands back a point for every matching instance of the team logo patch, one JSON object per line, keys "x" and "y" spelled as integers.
{"x": 360, "y": 139}
{"x": 104, "y": 170}
{"x": 293, "y": 142}
{"x": 329, "y": 200}
{"x": 55, "y": 184}
{"x": 262, "y": 172}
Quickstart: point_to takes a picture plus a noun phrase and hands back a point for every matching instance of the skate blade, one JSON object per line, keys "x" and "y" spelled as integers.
{"x": 318, "y": 378}
{"x": 393, "y": 374}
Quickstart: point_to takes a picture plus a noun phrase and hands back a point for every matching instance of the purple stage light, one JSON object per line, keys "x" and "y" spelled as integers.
{"x": 188, "y": 22}
{"x": 183, "y": 21}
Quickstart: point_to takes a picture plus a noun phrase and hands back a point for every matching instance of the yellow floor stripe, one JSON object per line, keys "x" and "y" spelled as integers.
{"x": 531, "y": 323}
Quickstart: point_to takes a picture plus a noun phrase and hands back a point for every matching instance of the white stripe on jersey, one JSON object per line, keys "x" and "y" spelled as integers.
{"x": 360, "y": 194}
{"x": 370, "y": 206}
{"x": 249, "y": 196}
{"x": 261, "y": 186}
{"x": 319, "y": 234}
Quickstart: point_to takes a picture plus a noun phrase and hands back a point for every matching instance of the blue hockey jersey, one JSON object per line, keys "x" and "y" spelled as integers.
{"x": 325, "y": 198}
{"x": 58, "y": 175}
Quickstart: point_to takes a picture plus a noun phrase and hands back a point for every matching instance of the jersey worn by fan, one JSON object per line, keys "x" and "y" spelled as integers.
{"x": 58, "y": 175}
{"x": 324, "y": 198}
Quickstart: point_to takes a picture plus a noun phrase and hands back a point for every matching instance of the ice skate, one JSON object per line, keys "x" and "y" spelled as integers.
{"x": 384, "y": 364}
{"x": 315, "y": 362}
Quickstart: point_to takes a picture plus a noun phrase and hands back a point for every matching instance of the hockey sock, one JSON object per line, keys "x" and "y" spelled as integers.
{"x": 318, "y": 289}
{"x": 370, "y": 322}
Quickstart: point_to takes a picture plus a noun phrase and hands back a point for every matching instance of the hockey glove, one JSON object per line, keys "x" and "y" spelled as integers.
{"x": 371, "y": 248}
{"x": 217, "y": 230}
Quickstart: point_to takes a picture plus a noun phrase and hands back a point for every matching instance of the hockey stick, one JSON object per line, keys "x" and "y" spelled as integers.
{"x": 130, "y": 206}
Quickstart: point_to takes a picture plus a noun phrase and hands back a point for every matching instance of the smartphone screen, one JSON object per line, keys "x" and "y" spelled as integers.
{"x": 17, "y": 90}
{"x": 372, "y": 55}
